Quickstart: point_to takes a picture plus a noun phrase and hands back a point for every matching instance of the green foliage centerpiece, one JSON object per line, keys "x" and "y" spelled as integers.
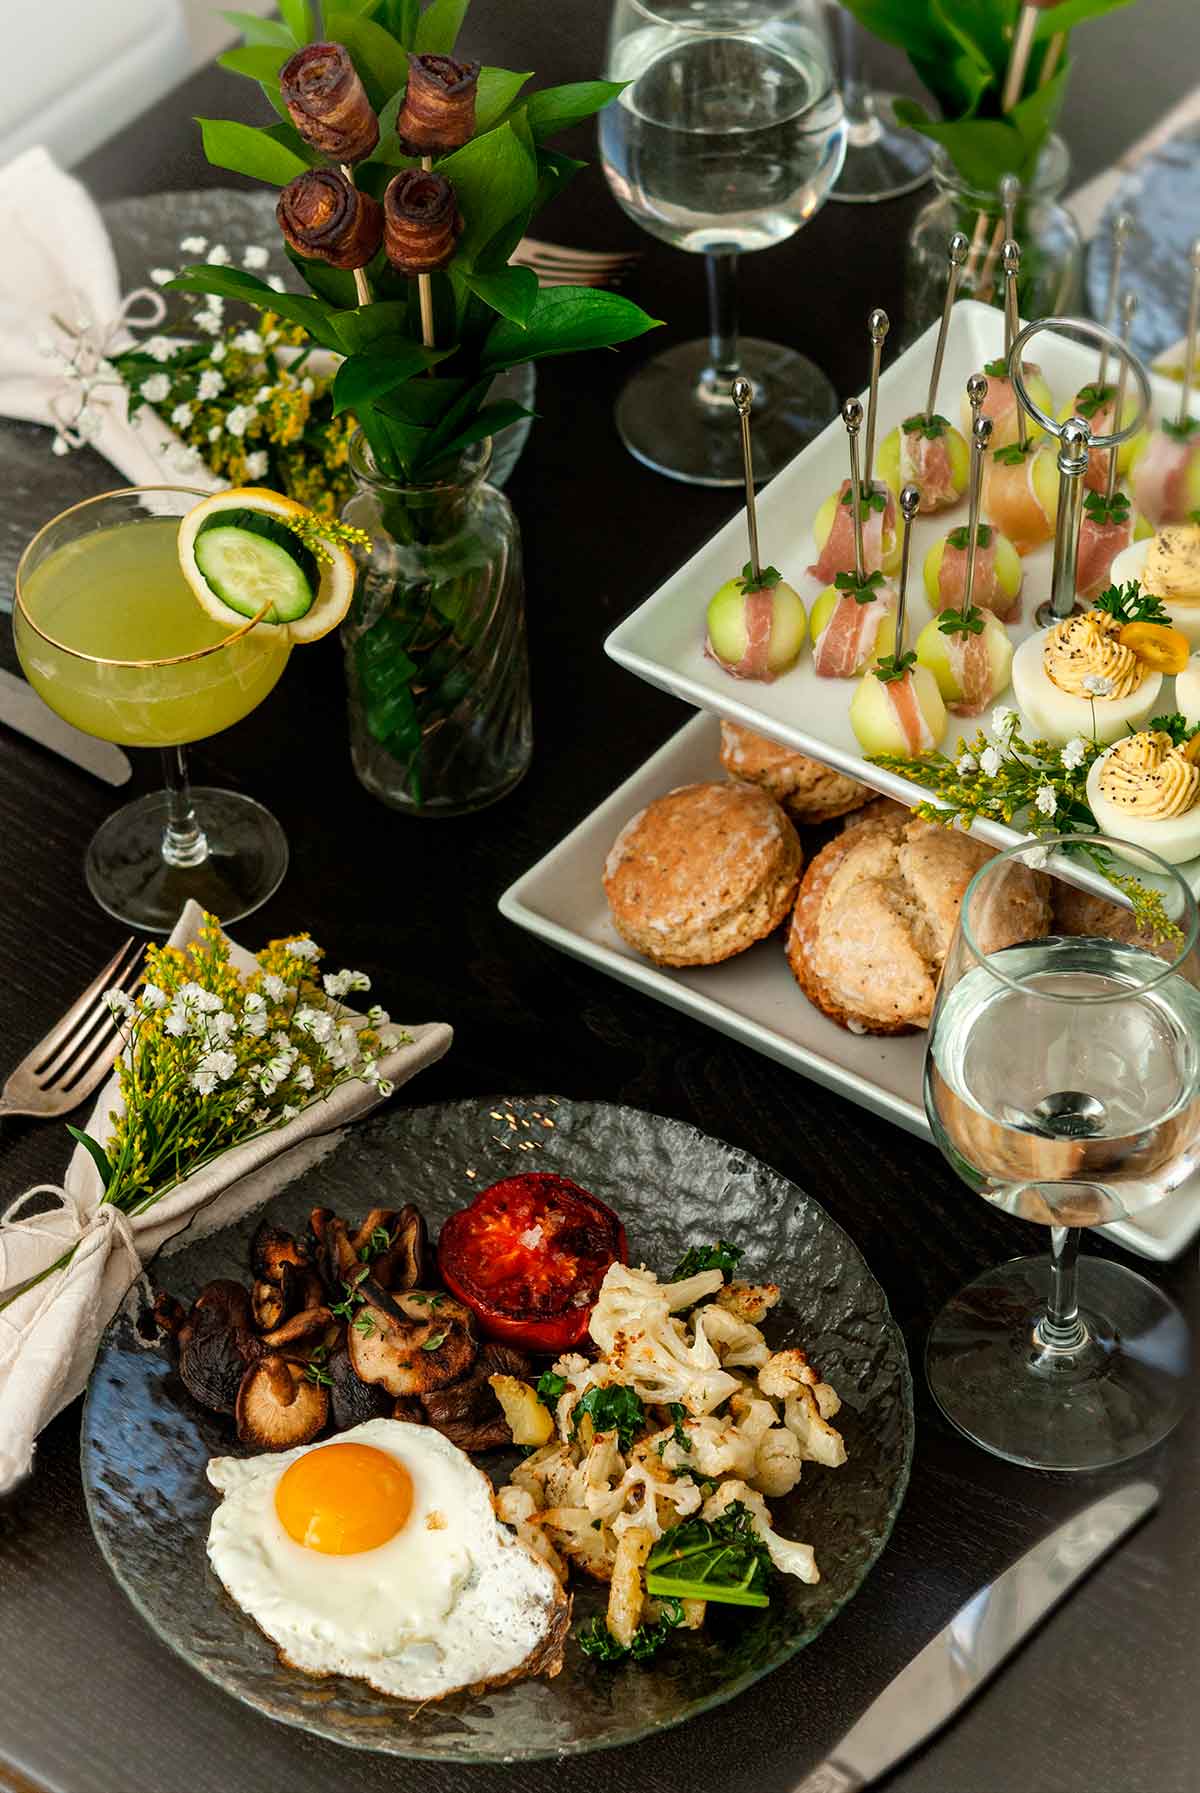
{"x": 407, "y": 178}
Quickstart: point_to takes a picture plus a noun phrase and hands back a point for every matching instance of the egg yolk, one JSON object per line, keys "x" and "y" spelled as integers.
{"x": 343, "y": 1498}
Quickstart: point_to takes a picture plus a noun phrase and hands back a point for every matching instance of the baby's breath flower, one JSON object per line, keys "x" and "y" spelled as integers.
{"x": 218, "y": 256}
{"x": 182, "y": 415}
{"x": 239, "y": 419}
{"x": 989, "y": 761}
{"x": 1046, "y": 799}
{"x": 276, "y": 284}
{"x": 275, "y": 987}
{"x": 254, "y": 256}
{"x": 304, "y": 1077}
{"x": 288, "y": 1112}
{"x": 966, "y": 763}
{"x": 1096, "y": 685}
{"x": 257, "y": 464}
{"x": 118, "y": 1004}
{"x": 211, "y": 384}
{"x": 208, "y": 321}
{"x": 340, "y": 983}
{"x": 204, "y": 1081}
{"x": 302, "y": 948}
{"x": 316, "y": 1023}
{"x": 217, "y": 352}
{"x": 1004, "y": 721}
{"x": 155, "y": 389}
{"x": 153, "y": 998}
{"x": 193, "y": 245}
{"x": 1035, "y": 857}
{"x": 159, "y": 348}
{"x": 178, "y": 1023}
{"x": 1074, "y": 753}
{"x": 220, "y": 1065}
{"x": 160, "y": 276}
{"x": 249, "y": 342}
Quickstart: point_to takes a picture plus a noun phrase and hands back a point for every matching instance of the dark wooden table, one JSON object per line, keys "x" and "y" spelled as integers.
{"x": 1103, "y": 1700}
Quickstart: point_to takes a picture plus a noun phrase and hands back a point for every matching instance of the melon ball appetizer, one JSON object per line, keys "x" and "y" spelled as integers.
{"x": 1166, "y": 472}
{"x": 970, "y": 656}
{"x": 1001, "y": 403}
{"x": 1168, "y": 567}
{"x": 929, "y": 453}
{"x": 1099, "y": 674}
{"x": 853, "y": 625}
{"x": 756, "y": 626}
{"x": 998, "y": 572}
{"x": 833, "y": 533}
{"x": 898, "y": 709}
{"x": 1097, "y": 405}
{"x": 1020, "y": 494}
{"x": 1146, "y": 790}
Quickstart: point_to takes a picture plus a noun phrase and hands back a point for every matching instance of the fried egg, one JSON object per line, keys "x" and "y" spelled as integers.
{"x": 377, "y": 1554}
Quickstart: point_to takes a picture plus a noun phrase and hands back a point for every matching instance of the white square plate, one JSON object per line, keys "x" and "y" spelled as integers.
{"x": 753, "y": 997}
{"x": 663, "y": 640}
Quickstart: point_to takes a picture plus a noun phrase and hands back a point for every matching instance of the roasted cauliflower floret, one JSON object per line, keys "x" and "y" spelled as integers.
{"x": 789, "y": 1558}
{"x": 736, "y": 1342}
{"x": 650, "y": 1351}
{"x": 517, "y": 1507}
{"x": 784, "y": 1372}
{"x": 546, "y": 1474}
{"x": 635, "y": 1498}
{"x": 589, "y": 1544}
{"x": 626, "y": 1595}
{"x": 818, "y": 1440}
{"x": 750, "y": 1301}
{"x": 718, "y": 1448}
{"x": 777, "y": 1463}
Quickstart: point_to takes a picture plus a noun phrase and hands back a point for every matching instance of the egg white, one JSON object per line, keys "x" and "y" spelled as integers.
{"x": 1184, "y": 613}
{"x": 1058, "y": 716}
{"x": 1174, "y": 838}
{"x": 1187, "y": 690}
{"x": 453, "y": 1599}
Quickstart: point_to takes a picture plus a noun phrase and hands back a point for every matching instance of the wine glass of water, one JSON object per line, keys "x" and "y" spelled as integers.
{"x": 1062, "y": 1082}
{"x": 727, "y": 138}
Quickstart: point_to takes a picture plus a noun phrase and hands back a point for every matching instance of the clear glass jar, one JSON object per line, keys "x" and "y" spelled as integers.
{"x": 1051, "y": 250}
{"x": 437, "y": 669}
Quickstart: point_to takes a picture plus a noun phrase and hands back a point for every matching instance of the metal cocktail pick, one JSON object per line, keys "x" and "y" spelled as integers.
{"x": 1010, "y": 257}
{"x": 910, "y": 503}
{"x": 1074, "y": 446}
{"x": 852, "y": 416}
{"x": 1128, "y": 312}
{"x": 877, "y": 324}
{"x": 1193, "y": 318}
{"x": 981, "y": 431}
{"x": 958, "y": 251}
{"x": 977, "y": 390}
{"x": 1122, "y": 225}
{"x": 742, "y": 394}
{"x": 1010, "y": 193}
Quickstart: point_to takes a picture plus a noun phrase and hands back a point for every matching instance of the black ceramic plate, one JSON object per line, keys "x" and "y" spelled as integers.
{"x": 145, "y": 1443}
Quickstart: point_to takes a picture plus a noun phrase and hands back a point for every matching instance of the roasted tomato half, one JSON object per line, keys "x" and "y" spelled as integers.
{"x": 528, "y": 1257}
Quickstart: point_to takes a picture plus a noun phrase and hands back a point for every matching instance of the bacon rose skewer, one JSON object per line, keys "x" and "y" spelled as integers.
{"x": 436, "y": 116}
{"x": 967, "y": 650}
{"x": 833, "y": 530}
{"x": 328, "y": 104}
{"x": 852, "y": 620}
{"x": 927, "y": 451}
{"x": 897, "y": 707}
{"x": 998, "y": 573}
{"x": 1166, "y": 477}
{"x": 326, "y": 218}
{"x": 756, "y": 623}
{"x": 1107, "y": 526}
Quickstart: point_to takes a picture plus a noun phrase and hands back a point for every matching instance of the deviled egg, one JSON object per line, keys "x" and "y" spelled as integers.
{"x": 1168, "y": 565}
{"x": 1082, "y": 676}
{"x": 1145, "y": 790}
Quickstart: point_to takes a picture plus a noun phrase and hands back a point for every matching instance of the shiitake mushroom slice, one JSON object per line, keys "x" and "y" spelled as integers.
{"x": 278, "y": 1406}
{"x": 430, "y": 1344}
{"x": 216, "y": 1343}
{"x": 272, "y": 1248}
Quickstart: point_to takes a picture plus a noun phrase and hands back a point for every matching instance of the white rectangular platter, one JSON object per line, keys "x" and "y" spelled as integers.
{"x": 753, "y": 997}
{"x": 663, "y": 640}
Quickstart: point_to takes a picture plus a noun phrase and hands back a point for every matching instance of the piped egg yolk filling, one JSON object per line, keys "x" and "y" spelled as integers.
{"x": 343, "y": 1498}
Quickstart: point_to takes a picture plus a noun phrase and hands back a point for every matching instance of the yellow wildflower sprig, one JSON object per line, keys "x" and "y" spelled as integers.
{"x": 316, "y": 532}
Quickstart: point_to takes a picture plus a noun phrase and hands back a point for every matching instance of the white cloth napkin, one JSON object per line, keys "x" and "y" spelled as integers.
{"x": 61, "y": 309}
{"x": 49, "y": 1336}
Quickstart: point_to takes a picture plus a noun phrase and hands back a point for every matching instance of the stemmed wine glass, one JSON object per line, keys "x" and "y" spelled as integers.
{"x": 111, "y": 637}
{"x": 883, "y": 158}
{"x": 1062, "y": 1082}
{"x": 727, "y": 138}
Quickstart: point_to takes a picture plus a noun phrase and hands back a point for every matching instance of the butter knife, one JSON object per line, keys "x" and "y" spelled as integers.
{"x": 966, "y": 1653}
{"x": 21, "y": 708}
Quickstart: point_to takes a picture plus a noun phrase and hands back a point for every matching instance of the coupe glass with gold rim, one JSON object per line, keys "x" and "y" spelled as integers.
{"x": 112, "y": 638}
{"x": 1062, "y": 1082}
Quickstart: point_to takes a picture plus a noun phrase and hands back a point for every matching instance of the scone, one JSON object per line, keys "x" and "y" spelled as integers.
{"x": 875, "y": 917}
{"x": 1082, "y": 912}
{"x": 702, "y": 873}
{"x": 808, "y": 790}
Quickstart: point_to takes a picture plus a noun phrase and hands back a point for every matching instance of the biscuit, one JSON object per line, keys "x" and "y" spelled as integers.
{"x": 702, "y": 873}
{"x": 808, "y": 790}
{"x": 875, "y": 916}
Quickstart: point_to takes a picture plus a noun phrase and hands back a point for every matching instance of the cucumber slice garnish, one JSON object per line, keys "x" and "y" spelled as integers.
{"x": 250, "y": 560}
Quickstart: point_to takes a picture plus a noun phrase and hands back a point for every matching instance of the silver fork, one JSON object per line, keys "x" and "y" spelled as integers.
{"x": 76, "y": 1056}
{"x": 556, "y": 266}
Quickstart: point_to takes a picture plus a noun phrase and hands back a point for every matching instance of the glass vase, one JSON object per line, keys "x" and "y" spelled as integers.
{"x": 436, "y": 663}
{"x": 1051, "y": 250}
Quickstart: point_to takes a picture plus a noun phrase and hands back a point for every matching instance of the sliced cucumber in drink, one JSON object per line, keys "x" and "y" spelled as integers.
{"x": 251, "y": 560}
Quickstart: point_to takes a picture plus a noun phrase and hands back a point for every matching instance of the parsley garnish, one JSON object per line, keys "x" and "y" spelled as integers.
{"x": 612, "y": 1407}
{"x": 598, "y": 1642}
{"x": 721, "y": 1559}
{"x": 1090, "y": 399}
{"x": 1130, "y": 604}
{"x": 968, "y": 621}
{"x": 1012, "y": 455}
{"x": 930, "y": 427}
{"x": 873, "y": 500}
{"x": 1181, "y": 432}
{"x": 890, "y": 667}
{"x": 959, "y": 538}
{"x": 550, "y": 1388}
{"x": 1104, "y": 510}
{"x": 1175, "y": 725}
{"x": 862, "y": 590}
{"x": 768, "y": 578}
{"x": 722, "y": 1256}
{"x": 678, "y": 1413}
{"x": 996, "y": 370}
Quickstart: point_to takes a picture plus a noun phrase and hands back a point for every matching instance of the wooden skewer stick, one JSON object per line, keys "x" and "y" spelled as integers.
{"x": 742, "y": 394}
{"x": 1005, "y": 231}
{"x": 981, "y": 431}
{"x": 1018, "y": 60}
{"x": 361, "y": 289}
{"x": 910, "y": 503}
{"x": 1128, "y": 312}
{"x": 878, "y": 325}
{"x": 1054, "y": 50}
{"x": 424, "y": 285}
{"x": 1190, "y": 355}
{"x": 852, "y": 416}
{"x": 1011, "y": 257}
{"x": 1122, "y": 225}
{"x": 957, "y": 251}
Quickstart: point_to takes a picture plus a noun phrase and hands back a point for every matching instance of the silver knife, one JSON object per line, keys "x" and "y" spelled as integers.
{"x": 21, "y": 708}
{"x": 966, "y": 1653}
